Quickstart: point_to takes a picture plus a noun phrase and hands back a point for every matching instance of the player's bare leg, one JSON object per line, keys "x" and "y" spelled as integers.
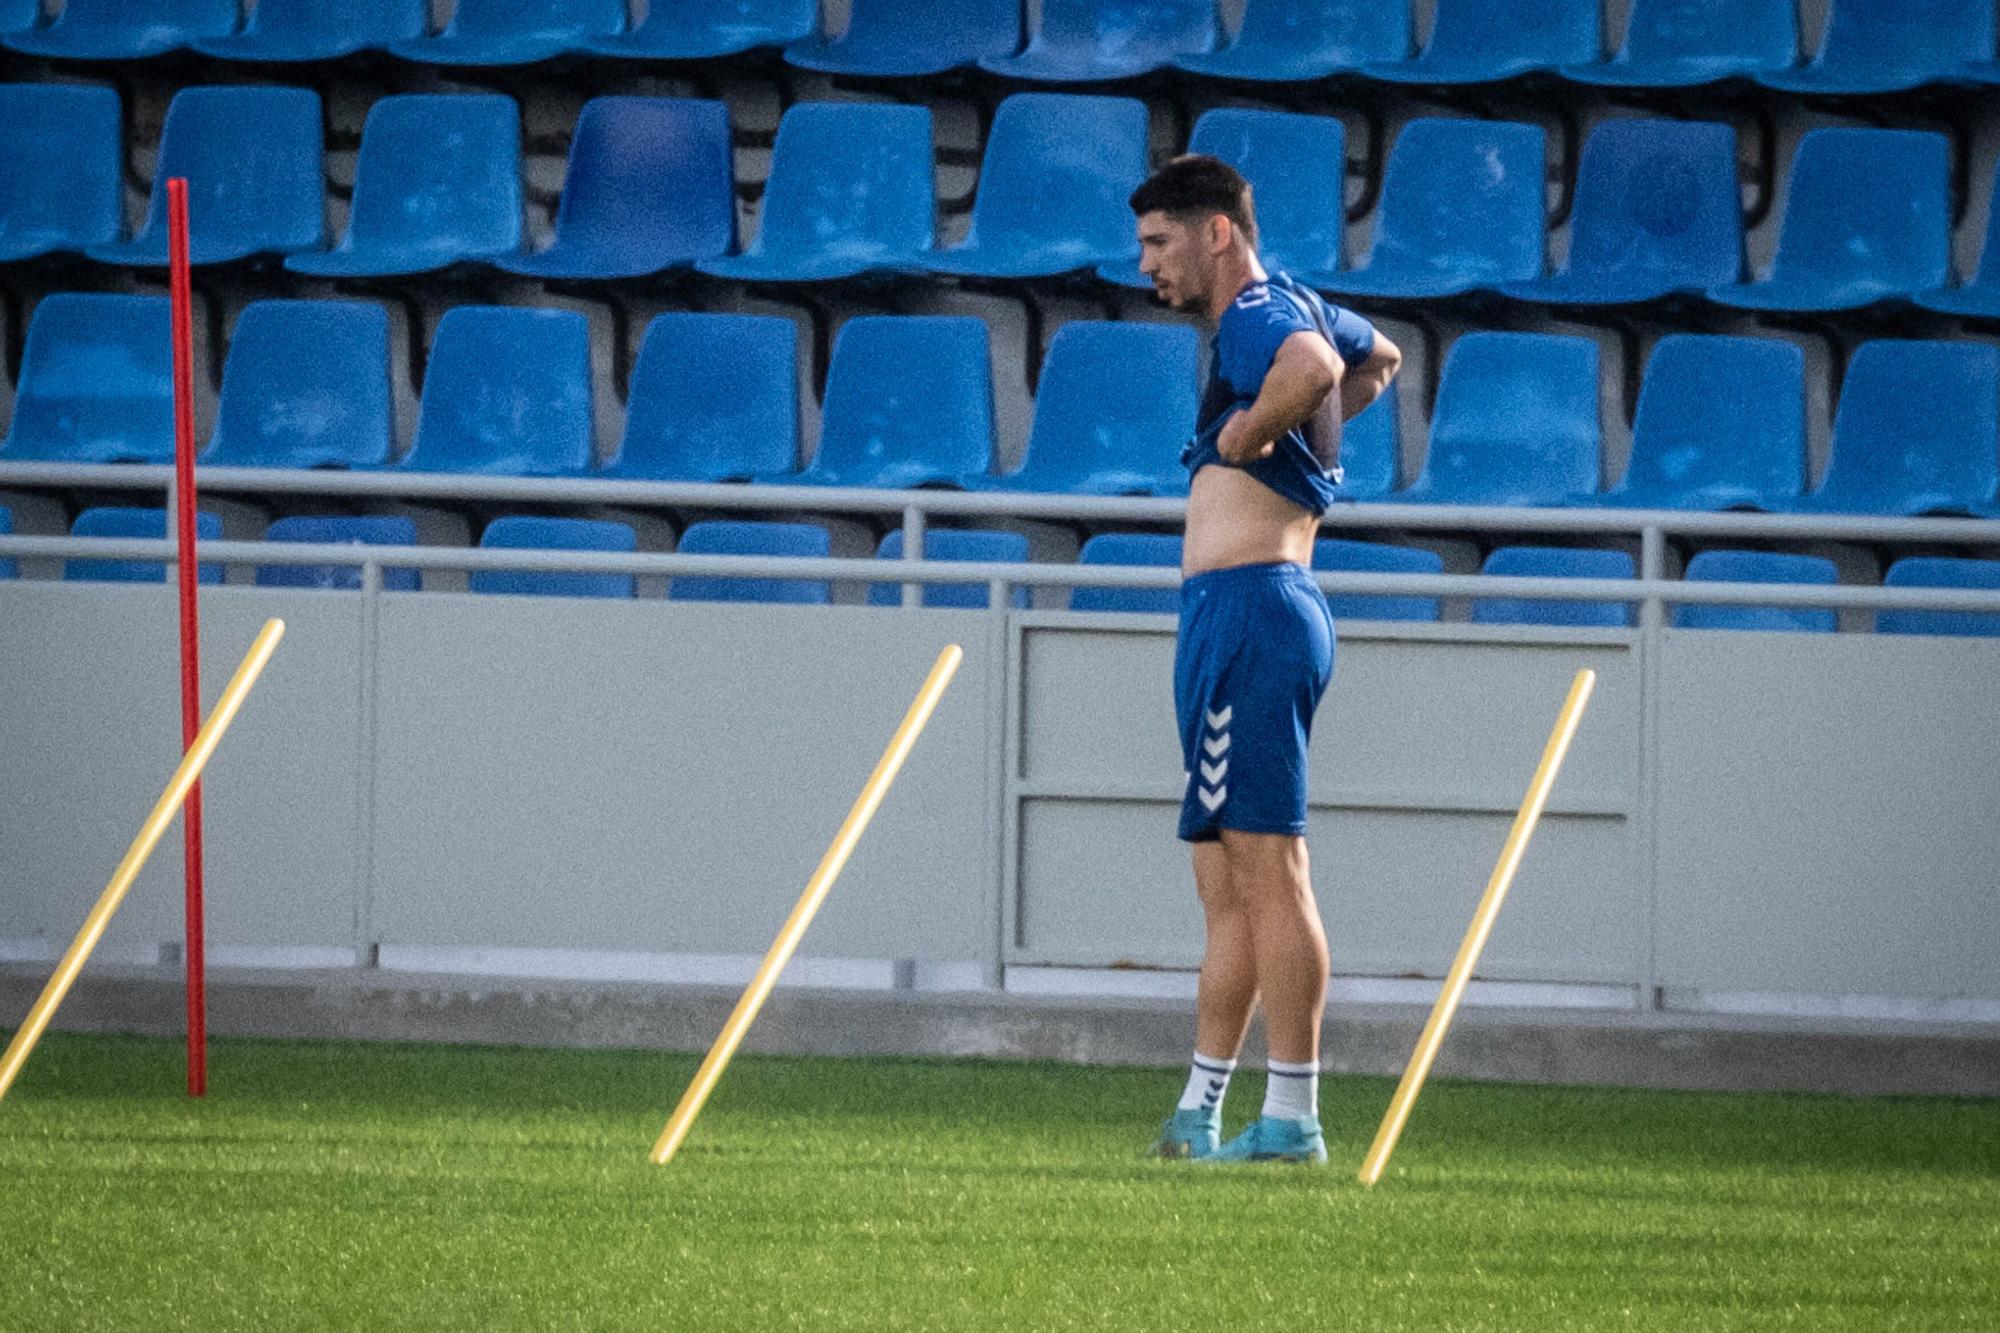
{"x": 1223, "y": 1004}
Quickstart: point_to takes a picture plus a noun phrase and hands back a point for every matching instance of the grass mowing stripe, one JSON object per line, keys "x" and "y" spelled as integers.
{"x": 336, "y": 1185}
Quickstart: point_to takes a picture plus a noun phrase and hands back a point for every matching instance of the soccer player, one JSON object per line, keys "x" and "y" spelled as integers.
{"x": 1255, "y": 650}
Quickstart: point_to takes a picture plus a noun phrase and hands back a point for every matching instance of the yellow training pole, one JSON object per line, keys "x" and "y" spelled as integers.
{"x": 809, "y": 902}
{"x": 1482, "y": 925}
{"x": 142, "y": 847}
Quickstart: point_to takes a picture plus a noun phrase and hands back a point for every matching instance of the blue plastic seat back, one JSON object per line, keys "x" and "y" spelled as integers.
{"x": 96, "y": 383}
{"x": 1116, "y": 402}
{"x": 1925, "y": 571}
{"x": 850, "y": 181}
{"x": 151, "y": 524}
{"x": 339, "y": 530}
{"x": 1371, "y": 449}
{"x": 731, "y": 537}
{"x": 254, "y": 165}
{"x": 525, "y": 532}
{"x": 1720, "y": 37}
{"x": 306, "y": 30}
{"x": 1867, "y": 209}
{"x": 1128, "y": 548}
{"x": 1334, "y": 553}
{"x": 1296, "y": 40}
{"x": 714, "y": 397}
{"x": 1498, "y": 38}
{"x": 1914, "y": 431}
{"x": 7, "y": 567}
{"x": 438, "y": 181}
{"x": 650, "y": 186}
{"x": 512, "y": 32}
{"x": 1554, "y": 562}
{"x": 1085, "y": 40}
{"x": 1057, "y": 171}
{"x": 700, "y": 29}
{"x": 1008, "y": 548}
{"x": 126, "y": 29}
{"x": 1720, "y": 424}
{"x": 1884, "y": 45}
{"x": 1516, "y": 422}
{"x": 60, "y": 152}
{"x": 18, "y": 15}
{"x": 1461, "y": 208}
{"x": 1758, "y": 567}
{"x": 507, "y": 393}
{"x": 1296, "y": 166}
{"x": 306, "y": 385}
{"x": 914, "y": 37}
{"x": 1657, "y": 208}
{"x": 909, "y": 402}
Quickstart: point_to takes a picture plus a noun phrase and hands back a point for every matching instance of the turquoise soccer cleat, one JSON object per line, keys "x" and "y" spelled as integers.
{"x": 1190, "y": 1133}
{"x": 1271, "y": 1139}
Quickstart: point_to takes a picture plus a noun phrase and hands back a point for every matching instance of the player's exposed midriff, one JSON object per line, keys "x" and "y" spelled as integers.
{"x": 1234, "y": 519}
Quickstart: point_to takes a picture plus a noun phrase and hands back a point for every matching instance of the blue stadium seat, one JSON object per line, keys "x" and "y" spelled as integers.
{"x": 522, "y": 532}
{"x": 1516, "y": 422}
{"x": 726, "y": 537}
{"x": 909, "y": 402}
{"x": 1932, "y": 571}
{"x": 1371, "y": 450}
{"x": 1758, "y": 567}
{"x": 1914, "y": 432}
{"x": 1461, "y": 209}
{"x": 1337, "y": 554}
{"x": 1092, "y": 41}
{"x": 151, "y": 524}
{"x": 18, "y": 15}
{"x": 366, "y": 530}
{"x": 1128, "y": 548}
{"x": 1978, "y": 297}
{"x": 1885, "y": 46}
{"x": 650, "y": 187}
{"x": 253, "y": 159}
{"x": 1485, "y": 41}
{"x": 912, "y": 38}
{"x": 437, "y": 182}
{"x": 851, "y": 189}
{"x": 713, "y": 398}
{"x": 306, "y": 385}
{"x": 507, "y": 393}
{"x": 997, "y": 548}
{"x": 1866, "y": 219}
{"x": 515, "y": 32}
{"x": 8, "y": 569}
{"x": 124, "y": 29}
{"x": 1553, "y": 562}
{"x": 1296, "y": 168}
{"x": 60, "y": 152}
{"x": 1116, "y": 402}
{"x": 1298, "y": 41}
{"x": 1052, "y": 189}
{"x": 298, "y": 31}
{"x": 97, "y": 382}
{"x": 1656, "y": 212}
{"x": 704, "y": 29}
{"x": 1721, "y": 424}
{"x": 1686, "y": 43}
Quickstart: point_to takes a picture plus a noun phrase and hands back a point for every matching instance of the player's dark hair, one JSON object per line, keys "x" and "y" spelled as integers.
{"x": 1197, "y": 186}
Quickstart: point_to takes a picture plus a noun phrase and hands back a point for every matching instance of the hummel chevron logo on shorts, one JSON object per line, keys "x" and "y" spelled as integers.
{"x": 1215, "y": 768}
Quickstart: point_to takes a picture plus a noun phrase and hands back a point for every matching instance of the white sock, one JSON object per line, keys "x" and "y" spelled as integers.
{"x": 1208, "y": 1079}
{"x": 1292, "y": 1091}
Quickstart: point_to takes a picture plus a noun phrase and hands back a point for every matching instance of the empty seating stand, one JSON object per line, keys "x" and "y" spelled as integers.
{"x": 338, "y": 530}
{"x": 1687, "y": 43}
{"x": 1128, "y": 548}
{"x": 1516, "y": 423}
{"x": 306, "y": 385}
{"x": 955, "y": 544}
{"x": 1758, "y": 567}
{"x": 1941, "y": 572}
{"x": 514, "y": 32}
{"x": 742, "y": 537}
{"x": 124, "y": 29}
{"x": 60, "y": 152}
{"x": 96, "y": 382}
{"x": 301, "y": 31}
{"x": 1487, "y": 41}
{"x": 911, "y": 38}
{"x": 1093, "y": 41}
{"x": 909, "y": 402}
{"x": 507, "y": 393}
{"x": 705, "y": 29}
{"x": 714, "y": 398}
{"x": 1298, "y": 41}
{"x": 1336, "y": 554}
{"x": 1557, "y": 563}
{"x": 149, "y": 524}
{"x": 525, "y": 532}
{"x": 1885, "y": 46}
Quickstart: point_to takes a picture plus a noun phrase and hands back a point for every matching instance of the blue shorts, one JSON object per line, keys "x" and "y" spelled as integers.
{"x": 1254, "y": 656}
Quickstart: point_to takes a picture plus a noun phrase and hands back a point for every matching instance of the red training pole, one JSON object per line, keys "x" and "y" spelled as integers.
{"x": 183, "y": 303}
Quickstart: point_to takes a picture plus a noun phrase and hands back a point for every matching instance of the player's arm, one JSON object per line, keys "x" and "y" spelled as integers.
{"x": 1364, "y": 383}
{"x": 1305, "y": 370}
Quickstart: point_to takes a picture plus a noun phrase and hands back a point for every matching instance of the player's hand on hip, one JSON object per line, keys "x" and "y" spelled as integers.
{"x": 1235, "y": 446}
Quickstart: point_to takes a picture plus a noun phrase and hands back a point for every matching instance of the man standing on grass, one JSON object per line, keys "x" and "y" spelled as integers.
{"x": 1255, "y": 651}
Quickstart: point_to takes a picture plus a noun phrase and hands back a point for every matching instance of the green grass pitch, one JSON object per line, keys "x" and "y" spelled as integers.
{"x": 347, "y": 1186}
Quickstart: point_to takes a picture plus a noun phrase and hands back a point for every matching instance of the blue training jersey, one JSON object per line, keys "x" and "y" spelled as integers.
{"x": 1304, "y": 466}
